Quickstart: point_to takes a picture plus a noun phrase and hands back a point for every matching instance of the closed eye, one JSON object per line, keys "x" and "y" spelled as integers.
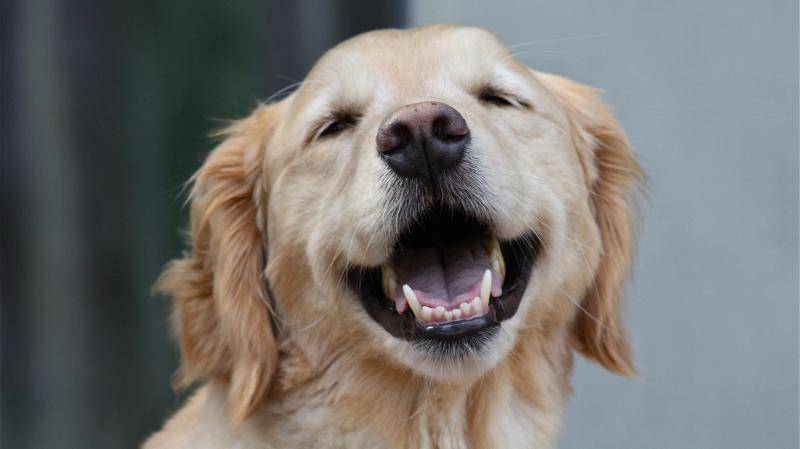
{"x": 336, "y": 124}
{"x": 496, "y": 97}
{"x": 333, "y": 128}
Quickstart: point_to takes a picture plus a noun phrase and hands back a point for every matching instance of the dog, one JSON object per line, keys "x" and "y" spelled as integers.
{"x": 405, "y": 252}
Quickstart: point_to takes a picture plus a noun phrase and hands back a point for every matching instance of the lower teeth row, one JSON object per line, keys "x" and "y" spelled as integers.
{"x": 477, "y": 307}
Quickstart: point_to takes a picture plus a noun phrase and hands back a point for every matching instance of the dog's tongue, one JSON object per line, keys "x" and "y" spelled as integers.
{"x": 442, "y": 276}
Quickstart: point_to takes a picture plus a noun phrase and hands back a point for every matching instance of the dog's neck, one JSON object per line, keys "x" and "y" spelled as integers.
{"x": 370, "y": 402}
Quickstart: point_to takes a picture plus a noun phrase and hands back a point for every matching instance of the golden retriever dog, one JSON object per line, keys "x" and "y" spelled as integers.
{"x": 403, "y": 253}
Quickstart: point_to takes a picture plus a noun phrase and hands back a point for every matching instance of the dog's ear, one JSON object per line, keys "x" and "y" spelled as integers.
{"x": 614, "y": 179}
{"x": 221, "y": 312}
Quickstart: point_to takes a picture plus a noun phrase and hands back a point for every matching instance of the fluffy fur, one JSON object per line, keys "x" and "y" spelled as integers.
{"x": 284, "y": 354}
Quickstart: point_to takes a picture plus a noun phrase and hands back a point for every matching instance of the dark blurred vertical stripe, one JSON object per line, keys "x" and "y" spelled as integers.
{"x": 105, "y": 112}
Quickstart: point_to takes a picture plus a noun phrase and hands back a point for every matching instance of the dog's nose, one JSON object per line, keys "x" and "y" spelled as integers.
{"x": 423, "y": 139}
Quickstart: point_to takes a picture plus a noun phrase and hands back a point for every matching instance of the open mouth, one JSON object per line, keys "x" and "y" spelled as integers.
{"x": 448, "y": 279}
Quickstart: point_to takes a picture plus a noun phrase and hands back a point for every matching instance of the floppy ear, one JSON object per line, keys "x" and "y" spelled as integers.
{"x": 614, "y": 179}
{"x": 221, "y": 312}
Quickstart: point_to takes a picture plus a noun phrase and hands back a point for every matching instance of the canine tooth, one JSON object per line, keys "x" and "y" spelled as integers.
{"x": 389, "y": 280}
{"x": 438, "y": 312}
{"x": 427, "y": 312}
{"x": 477, "y": 306}
{"x": 486, "y": 285}
{"x": 466, "y": 309}
{"x": 502, "y": 265}
{"x": 411, "y": 298}
{"x": 448, "y": 315}
{"x": 456, "y": 314}
{"x": 497, "y": 255}
{"x": 494, "y": 244}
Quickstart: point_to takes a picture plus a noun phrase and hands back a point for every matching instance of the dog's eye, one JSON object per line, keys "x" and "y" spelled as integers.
{"x": 494, "y": 98}
{"x": 338, "y": 124}
{"x": 333, "y": 128}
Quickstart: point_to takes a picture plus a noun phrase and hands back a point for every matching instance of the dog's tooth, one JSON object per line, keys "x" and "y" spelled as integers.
{"x": 411, "y": 298}
{"x": 477, "y": 306}
{"x": 497, "y": 255}
{"x": 448, "y": 315}
{"x": 466, "y": 309}
{"x": 389, "y": 280}
{"x": 457, "y": 314}
{"x": 494, "y": 245}
{"x": 499, "y": 269}
{"x": 486, "y": 285}
{"x": 426, "y": 313}
{"x": 484, "y": 298}
{"x": 438, "y": 312}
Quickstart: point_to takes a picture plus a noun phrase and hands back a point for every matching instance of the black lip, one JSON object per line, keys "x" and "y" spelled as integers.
{"x": 519, "y": 254}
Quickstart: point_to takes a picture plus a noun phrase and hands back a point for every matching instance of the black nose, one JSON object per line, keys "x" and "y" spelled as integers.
{"x": 423, "y": 139}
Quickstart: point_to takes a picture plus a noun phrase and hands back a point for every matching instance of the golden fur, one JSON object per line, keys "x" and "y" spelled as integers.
{"x": 305, "y": 366}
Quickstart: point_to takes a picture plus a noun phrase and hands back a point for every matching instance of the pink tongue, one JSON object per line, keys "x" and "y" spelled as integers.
{"x": 445, "y": 276}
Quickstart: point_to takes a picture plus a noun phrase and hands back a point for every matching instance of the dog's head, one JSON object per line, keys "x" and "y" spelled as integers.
{"x": 422, "y": 199}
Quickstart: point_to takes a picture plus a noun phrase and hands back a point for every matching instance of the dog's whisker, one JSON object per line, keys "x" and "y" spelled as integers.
{"x": 524, "y": 55}
{"x": 558, "y": 39}
{"x": 280, "y": 91}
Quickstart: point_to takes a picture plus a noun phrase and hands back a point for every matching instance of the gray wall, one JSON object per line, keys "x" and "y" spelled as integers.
{"x": 707, "y": 92}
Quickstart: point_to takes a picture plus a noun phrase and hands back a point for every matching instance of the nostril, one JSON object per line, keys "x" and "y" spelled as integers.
{"x": 403, "y": 133}
{"x": 449, "y": 126}
{"x": 438, "y": 128}
{"x": 393, "y": 137}
{"x": 448, "y": 130}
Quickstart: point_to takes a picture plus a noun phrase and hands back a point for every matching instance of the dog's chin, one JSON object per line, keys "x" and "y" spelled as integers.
{"x": 447, "y": 291}
{"x": 428, "y": 358}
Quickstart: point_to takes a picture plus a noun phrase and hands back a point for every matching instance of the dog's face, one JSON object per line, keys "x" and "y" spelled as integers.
{"x": 411, "y": 168}
{"x": 422, "y": 199}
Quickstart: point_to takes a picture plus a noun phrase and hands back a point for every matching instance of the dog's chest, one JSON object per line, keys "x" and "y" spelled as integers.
{"x": 516, "y": 424}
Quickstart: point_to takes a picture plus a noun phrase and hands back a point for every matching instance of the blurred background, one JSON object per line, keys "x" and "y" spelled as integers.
{"x": 106, "y": 108}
